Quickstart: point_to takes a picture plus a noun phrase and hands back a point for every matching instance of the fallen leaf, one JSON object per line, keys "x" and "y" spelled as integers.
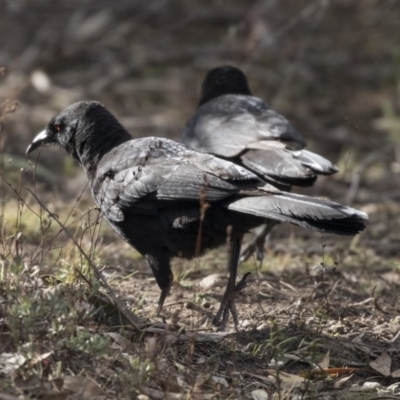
{"x": 382, "y": 364}
{"x": 180, "y": 366}
{"x": 372, "y": 385}
{"x": 210, "y": 280}
{"x": 221, "y": 381}
{"x": 396, "y": 373}
{"x": 366, "y": 387}
{"x": 288, "y": 381}
{"x": 84, "y": 386}
{"x": 143, "y": 397}
{"x": 39, "y": 358}
{"x": 259, "y": 394}
{"x": 92, "y": 389}
{"x": 267, "y": 379}
{"x": 9, "y": 362}
{"x": 324, "y": 364}
{"x": 181, "y": 382}
{"x": 340, "y": 383}
{"x": 120, "y": 341}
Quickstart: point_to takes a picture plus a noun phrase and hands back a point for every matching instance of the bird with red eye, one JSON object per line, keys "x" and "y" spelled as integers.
{"x": 50, "y": 135}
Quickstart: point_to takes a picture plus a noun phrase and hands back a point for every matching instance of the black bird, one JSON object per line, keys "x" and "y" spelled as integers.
{"x": 152, "y": 192}
{"x": 232, "y": 124}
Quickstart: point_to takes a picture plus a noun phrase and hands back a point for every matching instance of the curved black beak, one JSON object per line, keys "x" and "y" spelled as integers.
{"x": 42, "y": 137}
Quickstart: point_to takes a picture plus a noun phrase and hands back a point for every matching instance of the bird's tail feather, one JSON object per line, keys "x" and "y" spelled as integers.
{"x": 284, "y": 167}
{"x": 316, "y": 163}
{"x": 316, "y": 214}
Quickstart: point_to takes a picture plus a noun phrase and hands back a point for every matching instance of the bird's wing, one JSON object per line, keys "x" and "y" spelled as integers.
{"x": 225, "y": 126}
{"x": 278, "y": 165}
{"x": 141, "y": 175}
{"x": 315, "y": 162}
{"x": 284, "y": 166}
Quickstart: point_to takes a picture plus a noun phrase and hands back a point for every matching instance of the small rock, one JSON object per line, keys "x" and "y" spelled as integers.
{"x": 210, "y": 281}
{"x": 372, "y": 385}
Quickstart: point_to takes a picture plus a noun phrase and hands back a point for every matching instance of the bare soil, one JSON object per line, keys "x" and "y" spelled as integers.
{"x": 320, "y": 316}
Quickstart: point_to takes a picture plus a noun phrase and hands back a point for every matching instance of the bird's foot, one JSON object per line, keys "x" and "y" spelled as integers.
{"x": 228, "y": 304}
{"x": 161, "y": 300}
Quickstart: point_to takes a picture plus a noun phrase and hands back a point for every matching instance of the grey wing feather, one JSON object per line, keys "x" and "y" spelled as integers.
{"x": 279, "y": 164}
{"x": 126, "y": 190}
{"x": 134, "y": 176}
{"x": 315, "y": 162}
{"x": 190, "y": 183}
{"x": 316, "y": 214}
{"x": 226, "y": 125}
{"x": 127, "y": 175}
{"x": 285, "y": 166}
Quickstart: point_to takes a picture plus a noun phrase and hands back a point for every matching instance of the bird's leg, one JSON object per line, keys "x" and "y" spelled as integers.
{"x": 258, "y": 243}
{"x": 228, "y": 301}
{"x": 161, "y": 300}
{"x": 232, "y": 306}
{"x": 160, "y": 265}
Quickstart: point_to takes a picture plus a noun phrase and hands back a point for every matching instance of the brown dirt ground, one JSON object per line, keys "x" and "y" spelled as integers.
{"x": 332, "y": 67}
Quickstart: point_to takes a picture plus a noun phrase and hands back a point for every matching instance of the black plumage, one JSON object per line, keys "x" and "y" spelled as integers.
{"x": 232, "y": 124}
{"x": 151, "y": 192}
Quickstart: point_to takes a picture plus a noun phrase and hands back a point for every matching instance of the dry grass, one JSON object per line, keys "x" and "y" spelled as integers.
{"x": 319, "y": 320}
{"x": 62, "y": 336}
{"x": 320, "y": 316}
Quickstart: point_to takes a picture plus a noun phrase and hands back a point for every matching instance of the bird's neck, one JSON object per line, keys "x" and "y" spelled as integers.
{"x": 92, "y": 149}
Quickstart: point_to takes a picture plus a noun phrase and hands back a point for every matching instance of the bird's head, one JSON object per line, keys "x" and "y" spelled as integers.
{"x": 84, "y": 130}
{"x": 223, "y": 80}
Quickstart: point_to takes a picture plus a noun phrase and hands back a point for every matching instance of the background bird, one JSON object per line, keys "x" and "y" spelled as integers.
{"x": 232, "y": 124}
{"x": 152, "y": 192}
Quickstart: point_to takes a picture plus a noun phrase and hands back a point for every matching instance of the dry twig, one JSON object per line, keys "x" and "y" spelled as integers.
{"x": 129, "y": 315}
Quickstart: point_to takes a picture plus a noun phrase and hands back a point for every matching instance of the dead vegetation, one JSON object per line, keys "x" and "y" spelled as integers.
{"x": 319, "y": 317}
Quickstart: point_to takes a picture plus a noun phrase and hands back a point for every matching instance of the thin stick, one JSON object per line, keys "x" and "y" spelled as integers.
{"x": 129, "y": 315}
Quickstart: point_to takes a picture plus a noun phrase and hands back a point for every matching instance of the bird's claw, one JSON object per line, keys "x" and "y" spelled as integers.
{"x": 161, "y": 300}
